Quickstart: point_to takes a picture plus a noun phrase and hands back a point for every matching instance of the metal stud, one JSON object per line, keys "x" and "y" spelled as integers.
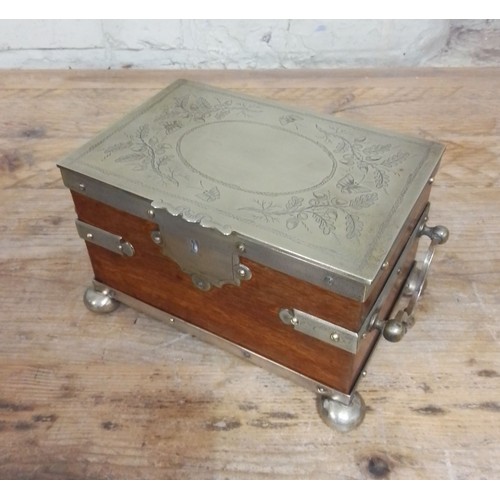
{"x": 156, "y": 237}
{"x": 151, "y": 213}
{"x": 82, "y": 187}
{"x": 201, "y": 283}
{"x": 126, "y": 249}
{"x": 241, "y": 248}
{"x": 243, "y": 272}
{"x": 194, "y": 246}
{"x": 89, "y": 236}
{"x": 329, "y": 280}
{"x": 335, "y": 337}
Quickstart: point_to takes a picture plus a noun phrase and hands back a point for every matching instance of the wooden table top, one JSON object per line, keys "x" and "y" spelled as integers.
{"x": 123, "y": 396}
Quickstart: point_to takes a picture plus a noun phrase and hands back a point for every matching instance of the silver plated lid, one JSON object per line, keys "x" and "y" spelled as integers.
{"x": 321, "y": 190}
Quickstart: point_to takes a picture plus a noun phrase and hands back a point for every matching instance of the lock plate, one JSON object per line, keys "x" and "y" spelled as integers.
{"x": 208, "y": 256}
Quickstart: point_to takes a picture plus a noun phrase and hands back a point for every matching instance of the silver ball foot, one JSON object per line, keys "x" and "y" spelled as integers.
{"x": 99, "y": 302}
{"x": 340, "y": 416}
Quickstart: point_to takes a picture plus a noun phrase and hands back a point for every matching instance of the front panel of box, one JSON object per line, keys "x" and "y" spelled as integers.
{"x": 247, "y": 315}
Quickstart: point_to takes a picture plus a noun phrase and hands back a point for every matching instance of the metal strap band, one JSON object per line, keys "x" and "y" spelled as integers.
{"x": 104, "y": 239}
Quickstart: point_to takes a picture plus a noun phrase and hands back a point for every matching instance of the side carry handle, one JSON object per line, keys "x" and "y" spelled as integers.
{"x": 395, "y": 329}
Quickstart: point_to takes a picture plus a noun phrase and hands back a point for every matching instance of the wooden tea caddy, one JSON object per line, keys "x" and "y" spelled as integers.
{"x": 285, "y": 237}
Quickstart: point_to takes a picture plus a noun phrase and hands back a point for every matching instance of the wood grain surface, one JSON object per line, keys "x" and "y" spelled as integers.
{"x": 124, "y": 396}
{"x": 247, "y": 315}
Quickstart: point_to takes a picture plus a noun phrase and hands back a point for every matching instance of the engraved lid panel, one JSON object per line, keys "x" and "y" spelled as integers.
{"x": 321, "y": 189}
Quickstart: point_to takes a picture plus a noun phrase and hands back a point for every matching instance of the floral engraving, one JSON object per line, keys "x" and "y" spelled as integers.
{"x": 199, "y": 109}
{"x": 147, "y": 153}
{"x": 377, "y": 159}
{"x": 367, "y": 167}
{"x": 326, "y": 210}
{"x": 172, "y": 126}
{"x": 145, "y": 150}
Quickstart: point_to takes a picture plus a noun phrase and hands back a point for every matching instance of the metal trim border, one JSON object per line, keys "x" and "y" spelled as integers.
{"x": 226, "y": 345}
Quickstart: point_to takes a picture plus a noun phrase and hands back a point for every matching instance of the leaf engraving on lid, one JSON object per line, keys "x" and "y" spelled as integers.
{"x": 323, "y": 210}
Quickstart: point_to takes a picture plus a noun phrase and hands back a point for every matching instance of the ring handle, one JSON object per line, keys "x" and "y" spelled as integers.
{"x": 395, "y": 329}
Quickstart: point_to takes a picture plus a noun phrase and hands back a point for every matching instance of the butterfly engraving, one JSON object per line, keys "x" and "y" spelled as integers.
{"x": 209, "y": 195}
{"x": 348, "y": 185}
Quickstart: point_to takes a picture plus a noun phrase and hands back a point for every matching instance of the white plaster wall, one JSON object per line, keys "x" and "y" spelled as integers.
{"x": 247, "y": 44}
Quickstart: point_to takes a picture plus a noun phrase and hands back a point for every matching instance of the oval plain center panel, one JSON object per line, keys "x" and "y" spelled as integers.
{"x": 256, "y": 158}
